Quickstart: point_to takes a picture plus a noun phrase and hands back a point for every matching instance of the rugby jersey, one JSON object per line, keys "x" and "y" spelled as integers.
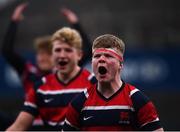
{"x": 30, "y": 74}
{"x": 51, "y": 97}
{"x": 128, "y": 109}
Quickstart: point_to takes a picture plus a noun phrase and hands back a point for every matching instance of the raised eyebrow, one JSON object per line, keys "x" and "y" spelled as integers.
{"x": 57, "y": 49}
{"x": 68, "y": 49}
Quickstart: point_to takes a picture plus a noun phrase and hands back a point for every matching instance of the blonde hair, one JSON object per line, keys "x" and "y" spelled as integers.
{"x": 43, "y": 43}
{"x": 69, "y": 36}
{"x": 109, "y": 41}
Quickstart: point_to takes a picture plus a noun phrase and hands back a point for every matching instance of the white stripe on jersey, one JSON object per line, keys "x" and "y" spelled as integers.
{"x": 133, "y": 91}
{"x": 44, "y": 80}
{"x": 52, "y": 123}
{"x": 67, "y": 122}
{"x": 30, "y": 104}
{"x": 64, "y": 91}
{"x": 157, "y": 119}
{"x": 91, "y": 76}
{"x": 86, "y": 93}
{"x": 108, "y": 107}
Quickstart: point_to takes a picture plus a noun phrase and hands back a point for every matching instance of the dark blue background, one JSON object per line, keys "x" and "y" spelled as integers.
{"x": 148, "y": 69}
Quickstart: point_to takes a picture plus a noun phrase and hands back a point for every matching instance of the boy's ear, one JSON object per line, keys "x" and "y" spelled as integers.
{"x": 121, "y": 64}
{"x": 80, "y": 54}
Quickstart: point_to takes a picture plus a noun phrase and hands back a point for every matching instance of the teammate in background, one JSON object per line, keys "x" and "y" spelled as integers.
{"x": 74, "y": 21}
{"x": 111, "y": 105}
{"x": 25, "y": 69}
{"x": 53, "y": 93}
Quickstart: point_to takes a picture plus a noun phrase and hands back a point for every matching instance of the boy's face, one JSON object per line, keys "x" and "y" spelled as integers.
{"x": 106, "y": 65}
{"x": 44, "y": 60}
{"x": 65, "y": 57}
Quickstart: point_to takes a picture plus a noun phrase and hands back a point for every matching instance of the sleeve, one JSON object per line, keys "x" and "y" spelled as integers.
{"x": 146, "y": 113}
{"x": 92, "y": 79}
{"x": 72, "y": 121}
{"x": 30, "y": 104}
{"x": 13, "y": 58}
{"x": 87, "y": 50}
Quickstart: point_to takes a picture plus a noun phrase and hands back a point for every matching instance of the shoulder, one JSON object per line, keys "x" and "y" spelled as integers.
{"x": 43, "y": 81}
{"x": 139, "y": 99}
{"x": 89, "y": 76}
{"x": 31, "y": 68}
{"x": 79, "y": 101}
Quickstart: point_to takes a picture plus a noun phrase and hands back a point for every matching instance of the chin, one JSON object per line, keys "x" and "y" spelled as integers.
{"x": 63, "y": 72}
{"x": 103, "y": 81}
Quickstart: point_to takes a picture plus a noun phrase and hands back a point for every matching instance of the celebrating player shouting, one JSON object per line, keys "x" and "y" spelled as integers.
{"x": 112, "y": 104}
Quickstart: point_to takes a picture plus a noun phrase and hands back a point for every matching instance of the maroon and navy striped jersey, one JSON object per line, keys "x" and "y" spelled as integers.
{"x": 127, "y": 109}
{"x": 51, "y": 97}
{"x": 31, "y": 73}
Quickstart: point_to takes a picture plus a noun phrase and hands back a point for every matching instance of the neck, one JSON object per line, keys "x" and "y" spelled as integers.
{"x": 45, "y": 72}
{"x": 67, "y": 77}
{"x": 107, "y": 89}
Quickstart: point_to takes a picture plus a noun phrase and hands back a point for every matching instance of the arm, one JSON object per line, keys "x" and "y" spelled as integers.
{"x": 87, "y": 50}
{"x": 147, "y": 116}
{"x": 8, "y": 44}
{"x": 74, "y": 21}
{"x": 23, "y": 122}
{"x": 158, "y": 130}
{"x": 29, "y": 111}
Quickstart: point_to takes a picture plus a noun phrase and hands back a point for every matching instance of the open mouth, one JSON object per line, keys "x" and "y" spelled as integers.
{"x": 102, "y": 70}
{"x": 62, "y": 63}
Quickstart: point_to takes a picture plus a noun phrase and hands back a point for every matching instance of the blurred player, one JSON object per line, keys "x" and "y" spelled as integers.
{"x": 53, "y": 93}
{"x": 75, "y": 23}
{"x": 28, "y": 72}
{"x": 111, "y": 105}
{"x": 25, "y": 69}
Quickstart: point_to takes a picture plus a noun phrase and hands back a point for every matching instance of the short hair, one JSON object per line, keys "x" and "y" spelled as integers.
{"x": 109, "y": 41}
{"x": 43, "y": 43}
{"x": 69, "y": 36}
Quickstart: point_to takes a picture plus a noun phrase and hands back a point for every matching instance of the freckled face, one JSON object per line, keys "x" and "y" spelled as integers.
{"x": 65, "y": 57}
{"x": 105, "y": 66}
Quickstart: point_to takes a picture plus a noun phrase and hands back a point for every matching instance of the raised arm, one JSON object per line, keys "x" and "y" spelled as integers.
{"x": 74, "y": 21}
{"x": 8, "y": 52}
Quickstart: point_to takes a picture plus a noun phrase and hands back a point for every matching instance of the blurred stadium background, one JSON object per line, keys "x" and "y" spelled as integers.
{"x": 150, "y": 29}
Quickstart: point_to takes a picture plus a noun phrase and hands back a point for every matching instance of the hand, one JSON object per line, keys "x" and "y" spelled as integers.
{"x": 70, "y": 15}
{"x": 18, "y": 12}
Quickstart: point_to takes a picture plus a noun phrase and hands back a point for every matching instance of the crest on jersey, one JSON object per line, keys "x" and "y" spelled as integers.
{"x": 124, "y": 118}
